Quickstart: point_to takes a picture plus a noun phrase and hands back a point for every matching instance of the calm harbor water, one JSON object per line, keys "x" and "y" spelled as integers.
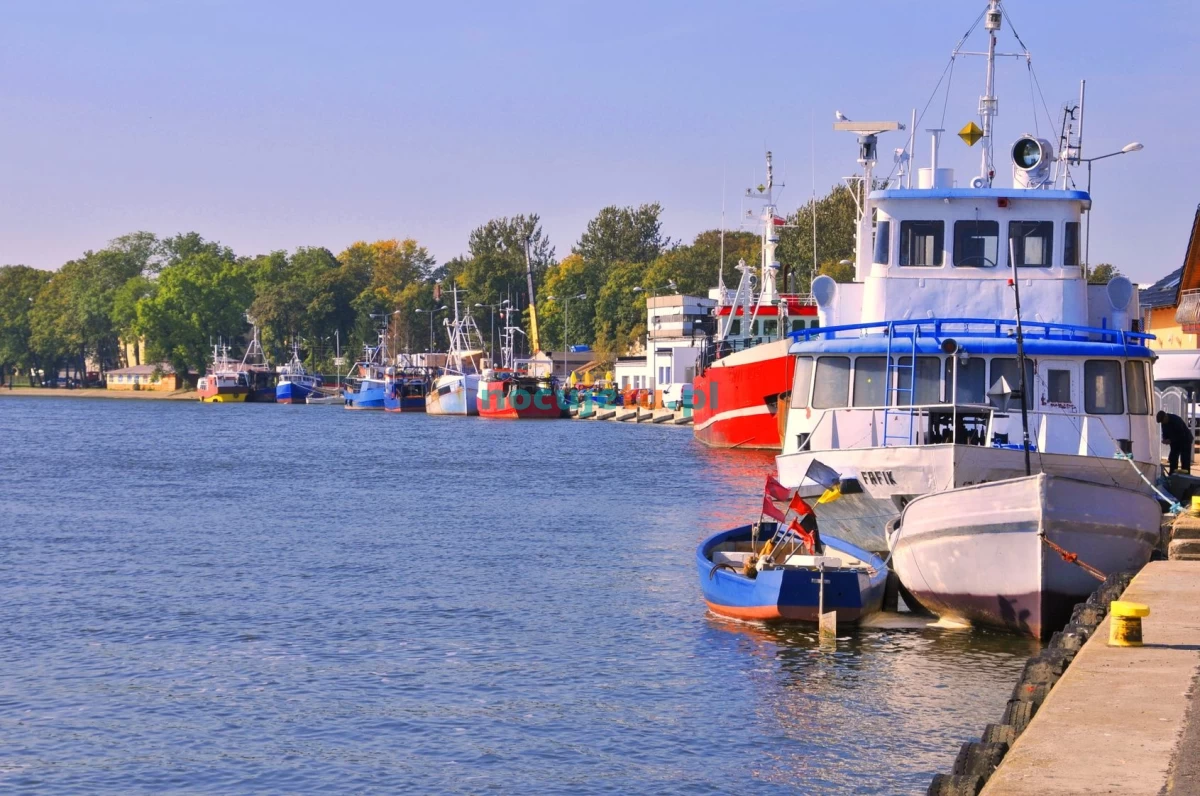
{"x": 269, "y": 598}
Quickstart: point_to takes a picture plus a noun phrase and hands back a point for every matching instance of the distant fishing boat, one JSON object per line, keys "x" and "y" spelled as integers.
{"x": 405, "y": 389}
{"x": 518, "y": 395}
{"x": 321, "y": 398}
{"x": 454, "y": 390}
{"x": 260, "y": 376}
{"x": 224, "y": 382}
{"x": 295, "y": 382}
{"x": 1002, "y": 553}
{"x": 367, "y": 385}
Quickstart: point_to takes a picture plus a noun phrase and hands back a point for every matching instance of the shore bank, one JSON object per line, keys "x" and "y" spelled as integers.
{"x": 1121, "y": 719}
{"x": 59, "y": 392}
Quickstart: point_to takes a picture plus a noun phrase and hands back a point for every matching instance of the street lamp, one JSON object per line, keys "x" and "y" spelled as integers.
{"x": 654, "y": 290}
{"x": 566, "y": 300}
{"x": 1132, "y": 146}
{"x": 431, "y": 313}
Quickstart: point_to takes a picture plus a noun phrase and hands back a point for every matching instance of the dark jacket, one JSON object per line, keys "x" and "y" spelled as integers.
{"x": 1175, "y": 432}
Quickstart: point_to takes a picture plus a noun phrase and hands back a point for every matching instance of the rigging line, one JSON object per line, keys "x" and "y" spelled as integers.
{"x": 1033, "y": 100}
{"x": 946, "y": 102}
{"x": 1049, "y": 118}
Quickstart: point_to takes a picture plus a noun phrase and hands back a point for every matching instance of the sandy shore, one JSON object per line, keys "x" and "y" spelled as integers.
{"x": 137, "y": 395}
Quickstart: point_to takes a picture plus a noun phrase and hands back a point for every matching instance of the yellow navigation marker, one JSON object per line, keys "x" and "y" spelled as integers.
{"x": 971, "y": 133}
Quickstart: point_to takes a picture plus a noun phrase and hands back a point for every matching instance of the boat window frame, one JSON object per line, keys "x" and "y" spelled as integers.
{"x": 885, "y": 381}
{"x": 1146, "y": 392}
{"x": 961, "y": 235}
{"x": 1031, "y": 372}
{"x": 802, "y": 398}
{"x": 1071, "y": 250}
{"x": 906, "y": 398}
{"x": 1088, "y": 396}
{"x": 953, "y": 387}
{"x": 1017, "y": 241}
{"x": 845, "y": 381}
{"x": 938, "y": 235}
{"x": 883, "y": 235}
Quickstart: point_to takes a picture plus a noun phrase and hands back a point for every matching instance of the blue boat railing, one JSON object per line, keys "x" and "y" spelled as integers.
{"x": 974, "y": 328}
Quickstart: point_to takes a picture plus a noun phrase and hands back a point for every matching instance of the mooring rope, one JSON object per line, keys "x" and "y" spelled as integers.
{"x": 1073, "y": 558}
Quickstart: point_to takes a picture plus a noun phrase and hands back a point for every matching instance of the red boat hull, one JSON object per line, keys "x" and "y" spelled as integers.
{"x": 742, "y": 399}
{"x": 497, "y": 402}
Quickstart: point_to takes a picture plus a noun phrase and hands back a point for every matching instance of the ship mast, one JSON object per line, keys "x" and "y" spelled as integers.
{"x": 533, "y": 329}
{"x": 987, "y": 103}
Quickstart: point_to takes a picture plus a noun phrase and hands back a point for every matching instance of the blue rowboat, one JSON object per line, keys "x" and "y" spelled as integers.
{"x": 789, "y": 591}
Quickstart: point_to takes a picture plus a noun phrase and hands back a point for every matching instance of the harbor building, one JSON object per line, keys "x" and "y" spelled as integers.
{"x": 158, "y": 378}
{"x": 1171, "y": 306}
{"x": 676, "y": 329}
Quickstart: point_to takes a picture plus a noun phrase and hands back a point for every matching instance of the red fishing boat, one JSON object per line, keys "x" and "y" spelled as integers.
{"x": 518, "y": 395}
{"x": 741, "y": 390}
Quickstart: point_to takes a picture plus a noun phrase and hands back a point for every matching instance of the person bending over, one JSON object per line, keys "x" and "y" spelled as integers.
{"x": 1175, "y": 432}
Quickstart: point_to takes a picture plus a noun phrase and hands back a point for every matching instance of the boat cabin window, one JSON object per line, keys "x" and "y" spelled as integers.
{"x": 976, "y": 243}
{"x": 1058, "y": 386}
{"x": 972, "y": 380}
{"x": 797, "y": 324}
{"x": 802, "y": 383}
{"x": 921, "y": 242}
{"x": 870, "y": 381}
{"x": 1071, "y": 243}
{"x": 883, "y": 241}
{"x": 1032, "y": 242}
{"x": 735, "y": 326}
{"x": 929, "y": 382}
{"x": 1102, "y": 387}
{"x": 770, "y": 327}
{"x": 1007, "y": 367}
{"x": 1135, "y": 386}
{"x": 832, "y": 388}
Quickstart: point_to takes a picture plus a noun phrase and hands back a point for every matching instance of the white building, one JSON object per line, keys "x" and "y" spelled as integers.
{"x": 675, "y": 337}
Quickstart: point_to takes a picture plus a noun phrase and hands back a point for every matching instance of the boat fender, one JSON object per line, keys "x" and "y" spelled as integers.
{"x": 749, "y": 566}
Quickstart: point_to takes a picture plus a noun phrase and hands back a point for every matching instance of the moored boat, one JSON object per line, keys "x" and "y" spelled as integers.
{"x": 454, "y": 390}
{"x": 405, "y": 390}
{"x": 745, "y": 373}
{"x": 790, "y": 590}
{"x": 1000, "y": 554}
{"x": 295, "y": 383}
{"x": 518, "y": 395}
{"x": 259, "y": 375}
{"x": 367, "y": 385}
{"x": 224, "y": 382}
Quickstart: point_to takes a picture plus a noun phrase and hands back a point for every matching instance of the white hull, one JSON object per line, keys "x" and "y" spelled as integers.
{"x": 977, "y": 554}
{"x": 453, "y": 394}
{"x": 889, "y": 477}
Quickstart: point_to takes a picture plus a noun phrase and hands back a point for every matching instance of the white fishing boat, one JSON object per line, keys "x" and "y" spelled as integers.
{"x": 455, "y": 389}
{"x": 970, "y": 348}
{"x": 1002, "y": 554}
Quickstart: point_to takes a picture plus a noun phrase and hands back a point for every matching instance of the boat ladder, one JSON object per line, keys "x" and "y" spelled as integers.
{"x": 894, "y": 393}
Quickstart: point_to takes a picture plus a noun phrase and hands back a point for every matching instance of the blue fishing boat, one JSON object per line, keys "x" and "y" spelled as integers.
{"x": 367, "y": 384}
{"x": 405, "y": 390}
{"x": 742, "y": 580}
{"x": 295, "y": 382}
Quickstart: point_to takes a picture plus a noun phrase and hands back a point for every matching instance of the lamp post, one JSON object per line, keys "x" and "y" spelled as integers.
{"x": 654, "y": 290}
{"x": 566, "y": 300}
{"x": 431, "y": 313}
{"x": 1133, "y": 146}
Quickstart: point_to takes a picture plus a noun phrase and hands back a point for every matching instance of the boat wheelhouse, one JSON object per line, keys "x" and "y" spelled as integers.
{"x": 912, "y": 385}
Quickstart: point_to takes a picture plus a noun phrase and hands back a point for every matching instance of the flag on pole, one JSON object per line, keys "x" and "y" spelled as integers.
{"x": 769, "y": 509}
{"x": 827, "y": 477}
{"x": 776, "y": 490}
{"x": 803, "y": 534}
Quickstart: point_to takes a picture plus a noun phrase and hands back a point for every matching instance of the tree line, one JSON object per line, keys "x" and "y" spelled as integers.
{"x": 179, "y": 295}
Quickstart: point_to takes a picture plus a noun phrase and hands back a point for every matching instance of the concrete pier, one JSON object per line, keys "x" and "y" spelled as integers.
{"x": 1121, "y": 719}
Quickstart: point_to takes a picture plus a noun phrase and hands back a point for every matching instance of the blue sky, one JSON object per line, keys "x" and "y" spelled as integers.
{"x": 272, "y": 124}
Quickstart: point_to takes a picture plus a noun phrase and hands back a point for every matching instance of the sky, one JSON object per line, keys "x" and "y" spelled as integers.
{"x": 274, "y": 124}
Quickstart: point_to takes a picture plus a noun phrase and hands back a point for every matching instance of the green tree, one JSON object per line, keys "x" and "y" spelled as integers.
{"x": 200, "y": 298}
{"x": 836, "y": 216}
{"x": 620, "y": 313}
{"x": 1102, "y": 274}
{"x": 494, "y": 269}
{"x": 20, "y": 286}
{"x": 623, "y": 234}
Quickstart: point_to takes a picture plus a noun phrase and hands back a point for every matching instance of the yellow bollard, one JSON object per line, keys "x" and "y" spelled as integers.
{"x": 1195, "y": 505}
{"x": 1125, "y": 627}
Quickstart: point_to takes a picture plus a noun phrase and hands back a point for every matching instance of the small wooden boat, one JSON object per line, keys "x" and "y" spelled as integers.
{"x": 997, "y": 553}
{"x": 854, "y": 579}
{"x": 320, "y": 398}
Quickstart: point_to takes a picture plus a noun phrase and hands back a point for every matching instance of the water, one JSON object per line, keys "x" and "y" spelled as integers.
{"x": 211, "y": 598}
